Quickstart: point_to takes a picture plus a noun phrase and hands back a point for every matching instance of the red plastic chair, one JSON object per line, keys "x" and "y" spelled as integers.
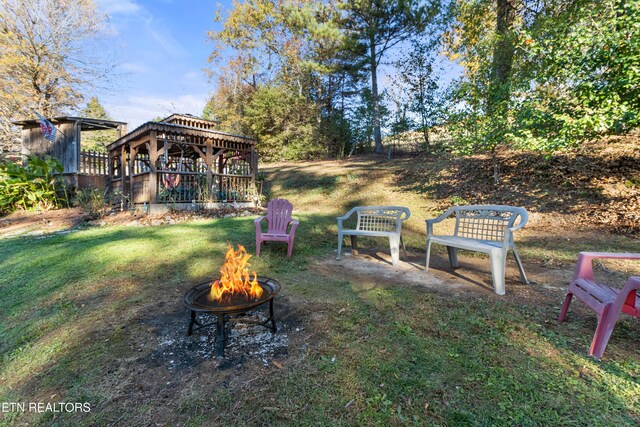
{"x": 278, "y": 219}
{"x": 607, "y": 302}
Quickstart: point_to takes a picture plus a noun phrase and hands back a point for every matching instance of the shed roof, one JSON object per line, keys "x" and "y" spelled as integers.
{"x": 86, "y": 123}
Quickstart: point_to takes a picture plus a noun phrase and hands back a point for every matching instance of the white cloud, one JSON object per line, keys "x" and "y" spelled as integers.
{"x": 192, "y": 75}
{"x": 124, "y": 7}
{"x": 156, "y": 30}
{"x": 134, "y": 67}
{"x": 136, "y": 110}
{"x": 163, "y": 38}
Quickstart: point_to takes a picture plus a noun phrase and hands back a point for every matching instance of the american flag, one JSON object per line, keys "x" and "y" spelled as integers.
{"x": 48, "y": 129}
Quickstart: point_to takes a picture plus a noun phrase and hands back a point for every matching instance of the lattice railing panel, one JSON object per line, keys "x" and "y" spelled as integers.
{"x": 483, "y": 225}
{"x": 378, "y": 220}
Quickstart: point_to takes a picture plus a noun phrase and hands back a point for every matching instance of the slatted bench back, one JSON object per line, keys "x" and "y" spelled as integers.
{"x": 381, "y": 219}
{"x": 484, "y": 224}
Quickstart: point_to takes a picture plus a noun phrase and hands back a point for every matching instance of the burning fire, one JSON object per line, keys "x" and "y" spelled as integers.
{"x": 234, "y": 277}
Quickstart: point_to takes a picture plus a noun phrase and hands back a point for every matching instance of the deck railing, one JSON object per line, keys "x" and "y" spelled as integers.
{"x": 187, "y": 187}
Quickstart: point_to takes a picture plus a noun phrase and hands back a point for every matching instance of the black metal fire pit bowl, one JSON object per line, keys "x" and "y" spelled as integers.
{"x": 198, "y": 300}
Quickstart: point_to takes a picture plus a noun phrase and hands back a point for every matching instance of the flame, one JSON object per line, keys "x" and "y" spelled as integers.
{"x": 234, "y": 277}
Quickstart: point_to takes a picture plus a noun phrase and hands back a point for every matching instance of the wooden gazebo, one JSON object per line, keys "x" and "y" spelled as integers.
{"x": 182, "y": 162}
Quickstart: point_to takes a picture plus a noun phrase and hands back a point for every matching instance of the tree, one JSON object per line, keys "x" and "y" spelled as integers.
{"x": 48, "y": 57}
{"x": 284, "y": 48}
{"x": 97, "y": 140}
{"x": 95, "y": 110}
{"x": 285, "y": 124}
{"x": 227, "y": 104}
{"x": 415, "y": 78}
{"x": 545, "y": 75}
{"x": 375, "y": 26}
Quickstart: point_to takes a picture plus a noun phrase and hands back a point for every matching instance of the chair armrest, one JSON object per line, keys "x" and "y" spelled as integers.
{"x": 257, "y": 222}
{"x": 441, "y": 218}
{"x": 584, "y": 266}
{"x": 627, "y": 297}
{"x": 524, "y": 218}
{"x": 347, "y": 215}
{"x": 405, "y": 214}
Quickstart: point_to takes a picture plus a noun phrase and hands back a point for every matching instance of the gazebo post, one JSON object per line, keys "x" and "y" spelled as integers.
{"x": 153, "y": 173}
{"x": 123, "y": 168}
{"x": 254, "y": 169}
{"x": 132, "y": 155}
{"x": 220, "y": 172}
{"x": 209, "y": 160}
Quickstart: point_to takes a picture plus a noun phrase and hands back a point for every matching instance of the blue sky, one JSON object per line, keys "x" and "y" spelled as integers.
{"x": 162, "y": 50}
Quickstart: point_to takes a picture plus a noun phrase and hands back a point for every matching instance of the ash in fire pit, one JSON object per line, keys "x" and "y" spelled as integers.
{"x": 231, "y": 296}
{"x": 177, "y": 351}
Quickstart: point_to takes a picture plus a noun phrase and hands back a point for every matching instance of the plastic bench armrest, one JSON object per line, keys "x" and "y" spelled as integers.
{"x": 584, "y": 266}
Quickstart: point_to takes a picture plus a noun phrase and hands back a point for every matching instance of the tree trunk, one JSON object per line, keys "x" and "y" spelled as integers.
{"x": 496, "y": 166}
{"x": 500, "y": 91}
{"x": 377, "y": 136}
{"x": 425, "y": 135}
{"x": 502, "y": 57}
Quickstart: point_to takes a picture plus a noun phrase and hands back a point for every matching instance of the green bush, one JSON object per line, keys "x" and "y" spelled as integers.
{"x": 91, "y": 200}
{"x": 34, "y": 186}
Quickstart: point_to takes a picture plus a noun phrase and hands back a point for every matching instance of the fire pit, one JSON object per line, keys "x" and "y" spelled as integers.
{"x": 233, "y": 294}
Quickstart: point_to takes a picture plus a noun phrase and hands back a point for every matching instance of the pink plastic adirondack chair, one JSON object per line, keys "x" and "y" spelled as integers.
{"x": 607, "y": 302}
{"x": 278, "y": 219}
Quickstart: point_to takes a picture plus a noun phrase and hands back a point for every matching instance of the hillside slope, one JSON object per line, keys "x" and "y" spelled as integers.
{"x": 588, "y": 199}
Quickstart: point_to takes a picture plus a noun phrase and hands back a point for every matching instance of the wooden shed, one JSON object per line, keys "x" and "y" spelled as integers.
{"x": 81, "y": 168}
{"x": 182, "y": 162}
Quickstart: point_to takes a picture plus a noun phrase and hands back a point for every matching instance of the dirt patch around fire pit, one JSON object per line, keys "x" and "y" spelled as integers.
{"x": 171, "y": 347}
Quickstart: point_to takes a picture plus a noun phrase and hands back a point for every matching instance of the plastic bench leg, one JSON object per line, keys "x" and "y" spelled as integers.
{"x": 453, "y": 256}
{"x": 426, "y": 261}
{"x": 354, "y": 242}
{"x": 497, "y": 260}
{"x": 606, "y": 322}
{"x": 394, "y": 243}
{"x": 565, "y": 307}
{"x": 523, "y": 275}
{"x": 339, "y": 245}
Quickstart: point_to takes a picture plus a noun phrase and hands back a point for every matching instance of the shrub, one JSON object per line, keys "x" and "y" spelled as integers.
{"x": 91, "y": 200}
{"x": 37, "y": 185}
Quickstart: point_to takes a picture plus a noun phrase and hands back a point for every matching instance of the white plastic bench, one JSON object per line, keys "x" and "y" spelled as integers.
{"x": 376, "y": 221}
{"x": 482, "y": 228}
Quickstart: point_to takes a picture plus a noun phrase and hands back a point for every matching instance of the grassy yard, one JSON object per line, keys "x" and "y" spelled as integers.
{"x": 80, "y": 315}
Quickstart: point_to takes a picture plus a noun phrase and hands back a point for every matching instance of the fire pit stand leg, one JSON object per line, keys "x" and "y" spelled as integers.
{"x": 192, "y": 321}
{"x": 274, "y": 328}
{"x": 221, "y": 335}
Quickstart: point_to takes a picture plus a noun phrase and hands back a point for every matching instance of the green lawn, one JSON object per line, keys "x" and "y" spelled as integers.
{"x": 76, "y": 307}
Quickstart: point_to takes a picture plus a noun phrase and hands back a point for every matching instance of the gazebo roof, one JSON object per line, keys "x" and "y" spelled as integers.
{"x": 176, "y": 129}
